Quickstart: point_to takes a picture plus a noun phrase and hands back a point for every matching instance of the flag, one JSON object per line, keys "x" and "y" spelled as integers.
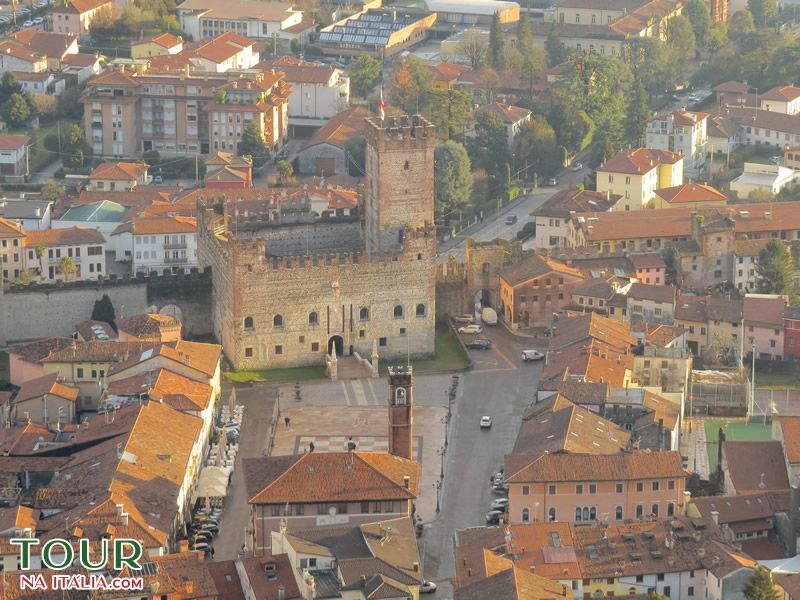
{"x": 382, "y": 105}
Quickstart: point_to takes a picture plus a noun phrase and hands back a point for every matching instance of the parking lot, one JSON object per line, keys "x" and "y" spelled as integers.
{"x": 27, "y": 15}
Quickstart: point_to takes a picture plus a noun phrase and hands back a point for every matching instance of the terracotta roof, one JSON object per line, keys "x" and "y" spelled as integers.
{"x": 790, "y": 427}
{"x": 165, "y": 40}
{"x": 95, "y": 351}
{"x": 10, "y": 229}
{"x": 721, "y": 127}
{"x": 766, "y": 119}
{"x": 82, "y": 6}
{"x": 764, "y": 311}
{"x": 448, "y": 72}
{"x": 13, "y": 142}
{"x": 564, "y": 202}
{"x": 661, "y": 409}
{"x": 785, "y": 93}
{"x": 578, "y": 392}
{"x": 238, "y": 9}
{"x": 692, "y": 308}
{"x": 594, "y": 288}
{"x": 80, "y": 59}
{"x": 341, "y": 128}
{"x": 24, "y": 76}
{"x": 680, "y": 116}
{"x": 19, "y": 517}
{"x": 121, "y": 171}
{"x": 300, "y": 71}
{"x": 230, "y": 160}
{"x": 95, "y": 330}
{"x": 638, "y": 161}
{"x": 333, "y": 477}
{"x": 139, "y": 197}
{"x": 150, "y": 225}
{"x": 647, "y": 261}
{"x": 535, "y": 266}
{"x": 72, "y": 236}
{"x": 691, "y": 192}
{"x": 575, "y": 330}
{"x": 222, "y": 47}
{"x": 203, "y": 358}
{"x": 748, "y": 247}
{"x": 46, "y": 385}
{"x": 14, "y": 49}
{"x": 731, "y": 86}
{"x": 166, "y": 386}
{"x": 45, "y": 43}
{"x": 147, "y": 324}
{"x": 656, "y": 293}
{"x": 756, "y": 466}
{"x": 507, "y": 112}
{"x": 226, "y": 173}
{"x": 736, "y": 509}
{"x": 514, "y": 583}
{"x": 114, "y": 77}
{"x": 789, "y": 583}
{"x": 469, "y": 549}
{"x": 625, "y": 466}
{"x": 33, "y": 352}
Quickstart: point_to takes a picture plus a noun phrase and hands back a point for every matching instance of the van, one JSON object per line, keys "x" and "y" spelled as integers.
{"x": 489, "y": 316}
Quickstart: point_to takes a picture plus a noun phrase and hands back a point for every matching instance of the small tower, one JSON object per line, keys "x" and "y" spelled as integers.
{"x": 401, "y": 411}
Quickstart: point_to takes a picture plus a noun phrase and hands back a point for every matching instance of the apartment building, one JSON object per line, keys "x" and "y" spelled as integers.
{"x": 791, "y": 336}
{"x": 203, "y": 19}
{"x": 579, "y": 488}
{"x": 76, "y": 16}
{"x": 47, "y": 249}
{"x": 12, "y": 240}
{"x": 682, "y": 132}
{"x": 763, "y": 325}
{"x": 157, "y": 244}
{"x": 552, "y": 217}
{"x": 127, "y": 113}
{"x": 637, "y": 174}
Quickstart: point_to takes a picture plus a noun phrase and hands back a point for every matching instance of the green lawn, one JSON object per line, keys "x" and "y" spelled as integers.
{"x": 278, "y": 375}
{"x": 450, "y": 356}
{"x": 40, "y": 156}
{"x": 736, "y": 431}
{"x": 777, "y": 381}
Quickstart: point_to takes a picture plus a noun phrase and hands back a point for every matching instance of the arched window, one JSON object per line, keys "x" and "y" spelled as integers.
{"x": 526, "y": 515}
{"x": 277, "y": 321}
{"x": 639, "y": 511}
{"x": 363, "y": 314}
{"x": 551, "y": 513}
{"x": 585, "y": 513}
{"x": 618, "y": 514}
{"x": 578, "y": 514}
{"x": 313, "y": 318}
{"x": 420, "y": 310}
{"x": 248, "y": 322}
{"x": 398, "y": 312}
{"x": 670, "y": 510}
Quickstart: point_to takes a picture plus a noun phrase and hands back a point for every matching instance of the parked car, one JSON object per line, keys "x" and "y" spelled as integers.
{"x": 576, "y": 167}
{"x": 158, "y": 179}
{"x": 489, "y": 316}
{"x": 499, "y": 504}
{"x": 486, "y": 422}
{"x": 471, "y": 329}
{"x": 493, "y": 516}
{"x": 479, "y": 344}
{"x": 511, "y": 219}
{"x": 531, "y": 355}
{"x": 552, "y": 181}
{"x": 465, "y": 319}
{"x": 38, "y": 20}
{"x": 500, "y": 490}
{"x": 212, "y": 529}
{"x": 28, "y": 24}
{"x": 427, "y": 587}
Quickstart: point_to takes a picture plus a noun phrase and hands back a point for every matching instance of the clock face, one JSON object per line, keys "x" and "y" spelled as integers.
{"x": 400, "y": 397}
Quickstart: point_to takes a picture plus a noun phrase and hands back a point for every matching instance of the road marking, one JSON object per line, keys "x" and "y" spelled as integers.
{"x": 358, "y": 391}
{"x": 372, "y": 392}
{"x": 346, "y": 395}
{"x": 505, "y": 358}
{"x": 500, "y": 370}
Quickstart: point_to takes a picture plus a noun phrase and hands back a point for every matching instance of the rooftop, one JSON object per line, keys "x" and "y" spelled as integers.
{"x": 73, "y": 236}
{"x": 756, "y": 467}
{"x": 638, "y": 161}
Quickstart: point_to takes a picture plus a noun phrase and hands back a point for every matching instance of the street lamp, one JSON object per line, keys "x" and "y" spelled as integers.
{"x": 446, "y": 421}
{"x": 437, "y": 486}
{"x": 441, "y": 452}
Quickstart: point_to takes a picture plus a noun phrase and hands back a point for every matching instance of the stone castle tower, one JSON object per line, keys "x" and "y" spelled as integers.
{"x": 401, "y": 412}
{"x": 399, "y": 171}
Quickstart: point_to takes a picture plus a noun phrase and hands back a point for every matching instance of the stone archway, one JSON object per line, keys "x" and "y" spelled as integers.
{"x": 337, "y": 342}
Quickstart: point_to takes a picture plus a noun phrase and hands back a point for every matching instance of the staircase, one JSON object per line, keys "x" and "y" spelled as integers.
{"x": 350, "y": 368}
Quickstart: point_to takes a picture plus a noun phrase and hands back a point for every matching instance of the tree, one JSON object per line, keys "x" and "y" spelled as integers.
{"x": 524, "y": 34}
{"x": 760, "y": 585}
{"x": 452, "y": 176}
{"x": 763, "y": 11}
{"x": 487, "y": 83}
{"x": 637, "y": 114}
{"x": 9, "y": 85}
{"x": 681, "y": 43}
{"x": 741, "y": 24}
{"x": 556, "y": 52}
{"x": 75, "y": 149}
{"x": 410, "y": 84}
{"x": 16, "y": 111}
{"x": 716, "y": 37}
{"x": 51, "y": 191}
{"x": 774, "y": 269}
{"x": 40, "y": 251}
{"x": 495, "y": 57}
{"x": 252, "y": 144}
{"x": 474, "y": 47}
{"x": 67, "y": 267}
{"x": 104, "y": 311}
{"x": 285, "y": 171}
{"x": 449, "y": 110}
{"x": 536, "y": 149}
{"x": 44, "y": 106}
{"x": 700, "y": 19}
{"x": 648, "y": 59}
{"x": 365, "y": 72}
{"x": 356, "y": 149}
{"x": 573, "y": 127}
{"x": 489, "y": 150}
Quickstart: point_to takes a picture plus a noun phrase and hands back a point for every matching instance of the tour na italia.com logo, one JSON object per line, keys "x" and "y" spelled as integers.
{"x": 92, "y": 572}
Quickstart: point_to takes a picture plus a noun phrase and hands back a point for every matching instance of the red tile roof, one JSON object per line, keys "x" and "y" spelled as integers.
{"x": 764, "y": 311}
{"x": 691, "y": 192}
{"x": 508, "y": 113}
{"x": 13, "y": 142}
{"x": 785, "y": 93}
{"x": 681, "y": 117}
{"x": 341, "y": 128}
{"x": 151, "y": 225}
{"x": 638, "y": 161}
{"x": 73, "y": 236}
{"x": 756, "y": 467}
{"x": 790, "y": 427}
{"x": 165, "y": 40}
{"x": 45, "y": 43}
{"x": 121, "y": 171}
{"x": 47, "y": 384}
{"x": 9, "y": 229}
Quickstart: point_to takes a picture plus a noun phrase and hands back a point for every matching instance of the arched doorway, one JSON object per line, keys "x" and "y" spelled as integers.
{"x": 337, "y": 342}
{"x": 483, "y": 298}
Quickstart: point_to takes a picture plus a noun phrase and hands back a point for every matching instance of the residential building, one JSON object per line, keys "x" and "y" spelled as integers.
{"x": 148, "y": 327}
{"x": 159, "y": 45}
{"x": 577, "y": 488}
{"x": 637, "y": 174}
{"x": 754, "y": 468}
{"x": 81, "y": 67}
{"x": 682, "y": 132}
{"x": 120, "y": 176}
{"x": 316, "y": 488}
{"x": 597, "y": 294}
{"x": 533, "y": 289}
{"x": 31, "y": 215}
{"x": 225, "y": 170}
{"x": 651, "y": 303}
{"x": 182, "y": 113}
{"x": 91, "y": 330}
{"x": 763, "y": 325}
{"x": 85, "y": 247}
{"x": 760, "y": 126}
{"x": 326, "y": 153}
{"x": 513, "y": 118}
{"x": 783, "y": 99}
{"x": 24, "y": 360}
{"x": 157, "y": 244}
{"x": 791, "y": 340}
{"x": 55, "y": 47}
{"x": 104, "y": 216}
{"x": 319, "y": 92}
{"x": 17, "y": 58}
{"x": 552, "y": 216}
{"x": 14, "y": 155}
{"x": 76, "y": 16}
{"x": 224, "y": 52}
{"x": 332, "y": 201}
{"x": 44, "y": 400}
{"x": 446, "y": 74}
{"x": 723, "y": 134}
{"x": 791, "y": 158}
{"x": 650, "y": 268}
{"x": 381, "y": 32}
{"x": 12, "y": 241}
{"x": 653, "y": 419}
{"x": 504, "y": 577}
{"x": 667, "y": 368}
{"x": 785, "y": 429}
{"x": 689, "y": 195}
{"x": 43, "y": 82}
{"x": 202, "y": 19}
{"x": 764, "y": 179}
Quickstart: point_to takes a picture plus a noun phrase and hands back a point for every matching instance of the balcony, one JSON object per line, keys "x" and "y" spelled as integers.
{"x": 171, "y": 260}
{"x": 175, "y": 246}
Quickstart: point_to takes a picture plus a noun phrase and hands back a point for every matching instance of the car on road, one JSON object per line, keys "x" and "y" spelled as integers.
{"x": 775, "y": 160}
{"x": 552, "y": 181}
{"x": 693, "y": 98}
{"x": 427, "y": 587}
{"x": 576, "y": 167}
{"x": 499, "y": 504}
{"x": 158, "y": 179}
{"x": 472, "y": 329}
{"x": 466, "y": 319}
{"x": 531, "y": 355}
{"x": 486, "y": 422}
{"x": 493, "y": 516}
{"x": 479, "y": 344}
{"x": 511, "y": 219}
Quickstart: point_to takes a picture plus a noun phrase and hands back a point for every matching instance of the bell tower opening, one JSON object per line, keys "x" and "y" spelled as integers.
{"x": 401, "y": 411}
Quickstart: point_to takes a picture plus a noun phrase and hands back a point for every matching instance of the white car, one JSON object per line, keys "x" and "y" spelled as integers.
{"x": 28, "y": 24}
{"x": 486, "y": 422}
{"x": 38, "y": 20}
{"x": 427, "y": 587}
{"x": 531, "y": 355}
{"x": 576, "y": 167}
{"x": 473, "y": 329}
{"x": 499, "y": 504}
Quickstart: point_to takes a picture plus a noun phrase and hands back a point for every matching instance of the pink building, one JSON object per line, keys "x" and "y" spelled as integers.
{"x": 764, "y": 326}
{"x": 24, "y": 361}
{"x": 577, "y": 488}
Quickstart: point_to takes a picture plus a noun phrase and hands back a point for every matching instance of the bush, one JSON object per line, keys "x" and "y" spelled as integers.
{"x": 528, "y": 230}
{"x": 151, "y": 157}
{"x": 51, "y": 142}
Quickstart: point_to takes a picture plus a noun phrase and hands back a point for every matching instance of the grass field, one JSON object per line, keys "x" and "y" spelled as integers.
{"x": 450, "y": 356}
{"x": 736, "y": 431}
{"x": 777, "y": 381}
{"x": 278, "y": 375}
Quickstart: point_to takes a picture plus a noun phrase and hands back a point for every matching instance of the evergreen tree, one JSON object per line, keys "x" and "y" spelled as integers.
{"x": 496, "y": 44}
{"x": 104, "y": 311}
{"x": 9, "y": 85}
{"x": 524, "y": 34}
{"x": 760, "y": 586}
{"x": 700, "y": 18}
{"x": 252, "y": 144}
{"x": 763, "y": 11}
{"x": 365, "y": 71}
{"x": 637, "y": 114}
{"x": 16, "y": 111}
{"x": 556, "y": 52}
{"x": 775, "y": 269}
{"x": 452, "y": 181}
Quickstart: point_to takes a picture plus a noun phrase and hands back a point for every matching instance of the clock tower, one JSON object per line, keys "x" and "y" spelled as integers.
{"x": 401, "y": 412}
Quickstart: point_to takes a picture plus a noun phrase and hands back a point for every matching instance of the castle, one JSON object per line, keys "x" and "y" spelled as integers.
{"x": 290, "y": 286}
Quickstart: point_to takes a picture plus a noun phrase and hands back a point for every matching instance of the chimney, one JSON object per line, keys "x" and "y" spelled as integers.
{"x": 415, "y": 566}
{"x": 687, "y": 498}
{"x": 406, "y": 481}
{"x": 183, "y": 546}
{"x": 715, "y": 516}
{"x": 281, "y": 593}
{"x": 120, "y": 509}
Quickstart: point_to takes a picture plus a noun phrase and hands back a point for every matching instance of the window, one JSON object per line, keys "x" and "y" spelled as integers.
{"x": 526, "y": 490}
{"x": 655, "y": 484}
{"x": 551, "y": 513}
{"x": 619, "y": 488}
{"x": 579, "y": 488}
{"x": 671, "y": 484}
{"x": 618, "y": 513}
{"x": 398, "y": 312}
{"x": 315, "y": 346}
{"x": 277, "y": 321}
{"x": 278, "y": 350}
{"x": 654, "y": 510}
{"x": 382, "y": 341}
{"x": 670, "y": 510}
{"x": 592, "y": 488}
{"x": 313, "y": 318}
{"x": 578, "y": 514}
{"x": 551, "y": 490}
{"x": 526, "y": 515}
{"x": 248, "y": 353}
{"x": 248, "y": 322}
{"x": 661, "y": 577}
{"x": 640, "y": 579}
{"x": 420, "y": 310}
{"x": 79, "y": 372}
{"x": 639, "y": 511}
{"x": 639, "y": 486}
{"x": 402, "y": 332}
{"x": 363, "y": 314}
{"x": 690, "y": 590}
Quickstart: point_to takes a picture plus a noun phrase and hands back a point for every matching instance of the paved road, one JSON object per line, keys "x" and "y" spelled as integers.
{"x": 501, "y": 386}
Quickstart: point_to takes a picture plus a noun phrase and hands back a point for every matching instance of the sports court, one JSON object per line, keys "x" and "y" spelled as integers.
{"x": 735, "y": 431}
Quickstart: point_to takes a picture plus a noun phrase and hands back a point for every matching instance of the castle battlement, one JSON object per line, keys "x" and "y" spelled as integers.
{"x": 400, "y": 133}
